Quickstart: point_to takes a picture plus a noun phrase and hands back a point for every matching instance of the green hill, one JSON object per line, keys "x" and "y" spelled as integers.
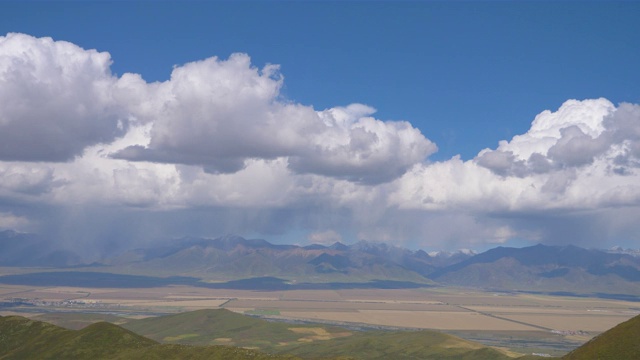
{"x": 220, "y": 326}
{"x": 77, "y": 320}
{"x": 222, "y": 334}
{"x": 619, "y": 343}
{"x": 224, "y": 327}
{"x": 22, "y": 338}
{"x": 400, "y": 345}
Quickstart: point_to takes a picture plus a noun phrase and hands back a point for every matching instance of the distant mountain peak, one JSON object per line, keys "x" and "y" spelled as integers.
{"x": 546, "y": 268}
{"x": 230, "y": 237}
{"x": 467, "y": 251}
{"x": 621, "y": 250}
{"x": 448, "y": 254}
{"x": 339, "y": 246}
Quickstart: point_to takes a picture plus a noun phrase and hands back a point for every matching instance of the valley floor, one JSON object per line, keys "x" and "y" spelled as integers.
{"x": 524, "y": 323}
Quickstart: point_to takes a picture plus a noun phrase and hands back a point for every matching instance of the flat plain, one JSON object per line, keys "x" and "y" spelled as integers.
{"x": 563, "y": 322}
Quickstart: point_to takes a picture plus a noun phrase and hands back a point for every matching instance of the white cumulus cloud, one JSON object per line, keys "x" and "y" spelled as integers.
{"x": 574, "y": 136}
{"x": 219, "y": 114}
{"x": 573, "y": 166}
{"x": 55, "y": 99}
{"x": 217, "y": 148}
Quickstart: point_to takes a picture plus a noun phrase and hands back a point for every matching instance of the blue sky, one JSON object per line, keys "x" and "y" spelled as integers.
{"x": 467, "y": 75}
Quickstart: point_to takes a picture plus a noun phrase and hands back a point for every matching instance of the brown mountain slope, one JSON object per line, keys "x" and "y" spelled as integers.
{"x": 547, "y": 269}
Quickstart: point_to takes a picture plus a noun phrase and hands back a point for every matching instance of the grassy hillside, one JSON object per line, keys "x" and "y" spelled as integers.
{"x": 77, "y": 320}
{"x": 620, "y": 342}
{"x": 181, "y": 352}
{"x": 221, "y": 326}
{"x": 400, "y": 345}
{"x": 21, "y": 338}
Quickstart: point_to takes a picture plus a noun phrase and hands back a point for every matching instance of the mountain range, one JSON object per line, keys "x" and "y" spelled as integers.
{"x": 233, "y": 257}
{"x": 539, "y": 268}
{"x": 24, "y": 249}
{"x": 546, "y": 268}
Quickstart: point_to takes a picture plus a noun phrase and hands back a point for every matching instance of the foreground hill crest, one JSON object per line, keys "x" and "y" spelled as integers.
{"x": 620, "y": 342}
{"x": 27, "y": 339}
{"x": 21, "y": 338}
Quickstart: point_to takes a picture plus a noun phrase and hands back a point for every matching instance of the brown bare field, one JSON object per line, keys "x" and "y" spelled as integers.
{"x": 413, "y": 319}
{"x": 347, "y": 305}
{"x": 590, "y": 323}
{"x": 327, "y": 295}
{"x": 552, "y": 310}
{"x": 10, "y": 289}
{"x": 430, "y": 308}
{"x": 17, "y": 313}
{"x": 385, "y": 295}
{"x": 187, "y": 304}
{"x": 52, "y": 295}
{"x": 187, "y": 297}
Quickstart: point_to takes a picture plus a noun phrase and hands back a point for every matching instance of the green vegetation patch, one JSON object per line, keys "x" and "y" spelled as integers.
{"x": 179, "y": 337}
